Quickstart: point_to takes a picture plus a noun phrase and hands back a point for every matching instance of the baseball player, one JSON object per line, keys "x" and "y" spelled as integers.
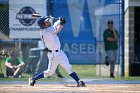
{"x": 55, "y": 55}
{"x": 111, "y": 46}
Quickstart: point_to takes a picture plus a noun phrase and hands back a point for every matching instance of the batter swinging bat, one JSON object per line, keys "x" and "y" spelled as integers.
{"x": 38, "y": 15}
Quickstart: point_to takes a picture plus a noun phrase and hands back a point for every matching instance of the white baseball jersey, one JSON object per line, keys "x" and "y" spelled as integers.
{"x": 50, "y": 39}
{"x": 52, "y": 42}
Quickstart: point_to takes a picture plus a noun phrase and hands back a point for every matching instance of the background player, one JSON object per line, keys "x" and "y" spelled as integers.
{"x": 55, "y": 55}
{"x": 14, "y": 65}
{"x": 111, "y": 45}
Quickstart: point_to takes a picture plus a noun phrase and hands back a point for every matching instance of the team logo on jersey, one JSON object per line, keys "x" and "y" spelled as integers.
{"x": 25, "y": 16}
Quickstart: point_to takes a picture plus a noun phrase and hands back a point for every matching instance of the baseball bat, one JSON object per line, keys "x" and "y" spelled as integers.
{"x": 38, "y": 15}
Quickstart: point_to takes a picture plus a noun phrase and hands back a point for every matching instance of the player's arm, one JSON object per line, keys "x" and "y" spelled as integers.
{"x": 8, "y": 65}
{"x": 21, "y": 63}
{"x": 59, "y": 28}
{"x": 107, "y": 37}
{"x": 110, "y": 39}
{"x": 115, "y": 36}
{"x": 59, "y": 24}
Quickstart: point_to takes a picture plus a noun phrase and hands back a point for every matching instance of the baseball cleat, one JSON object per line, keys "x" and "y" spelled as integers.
{"x": 112, "y": 75}
{"x": 31, "y": 82}
{"x": 81, "y": 84}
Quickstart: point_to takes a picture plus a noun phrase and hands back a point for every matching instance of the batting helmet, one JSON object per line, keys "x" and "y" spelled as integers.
{"x": 41, "y": 22}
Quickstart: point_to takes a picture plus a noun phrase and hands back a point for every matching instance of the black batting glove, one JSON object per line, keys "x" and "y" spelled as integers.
{"x": 63, "y": 21}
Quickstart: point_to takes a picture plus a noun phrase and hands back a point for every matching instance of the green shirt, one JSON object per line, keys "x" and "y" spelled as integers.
{"x": 109, "y": 45}
{"x": 15, "y": 61}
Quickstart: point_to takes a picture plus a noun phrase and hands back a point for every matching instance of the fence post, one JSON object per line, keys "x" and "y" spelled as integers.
{"x": 122, "y": 38}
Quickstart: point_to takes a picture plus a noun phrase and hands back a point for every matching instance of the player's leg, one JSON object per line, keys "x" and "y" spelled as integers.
{"x": 18, "y": 72}
{"x": 111, "y": 58}
{"x": 64, "y": 62}
{"x": 43, "y": 74}
{"x": 114, "y": 59}
{"x": 9, "y": 72}
{"x": 53, "y": 63}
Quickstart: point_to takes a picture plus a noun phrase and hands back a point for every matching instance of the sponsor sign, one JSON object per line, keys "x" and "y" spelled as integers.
{"x": 21, "y": 22}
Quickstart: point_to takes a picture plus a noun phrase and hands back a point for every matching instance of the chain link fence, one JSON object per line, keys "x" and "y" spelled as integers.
{"x": 25, "y": 49}
{"x": 4, "y": 19}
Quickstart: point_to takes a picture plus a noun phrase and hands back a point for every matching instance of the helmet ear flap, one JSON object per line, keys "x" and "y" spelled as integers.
{"x": 42, "y": 26}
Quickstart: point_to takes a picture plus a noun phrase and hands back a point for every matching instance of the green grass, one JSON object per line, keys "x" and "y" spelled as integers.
{"x": 83, "y": 71}
{"x": 2, "y": 66}
{"x": 128, "y": 78}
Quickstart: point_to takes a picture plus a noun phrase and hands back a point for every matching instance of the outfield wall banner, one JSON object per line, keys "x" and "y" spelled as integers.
{"x": 21, "y": 22}
{"x": 82, "y": 35}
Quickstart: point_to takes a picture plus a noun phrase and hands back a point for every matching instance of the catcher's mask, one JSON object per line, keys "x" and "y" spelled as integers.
{"x": 41, "y": 22}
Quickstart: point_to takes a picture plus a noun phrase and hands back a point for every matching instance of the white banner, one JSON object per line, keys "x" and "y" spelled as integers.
{"x": 21, "y": 22}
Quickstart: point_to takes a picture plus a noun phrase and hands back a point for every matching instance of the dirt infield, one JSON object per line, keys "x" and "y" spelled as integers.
{"x": 71, "y": 88}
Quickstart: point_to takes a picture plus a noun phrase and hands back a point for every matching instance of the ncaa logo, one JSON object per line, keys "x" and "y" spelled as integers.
{"x": 25, "y": 16}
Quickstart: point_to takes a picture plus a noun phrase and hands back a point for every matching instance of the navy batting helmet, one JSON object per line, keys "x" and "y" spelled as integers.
{"x": 41, "y": 22}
